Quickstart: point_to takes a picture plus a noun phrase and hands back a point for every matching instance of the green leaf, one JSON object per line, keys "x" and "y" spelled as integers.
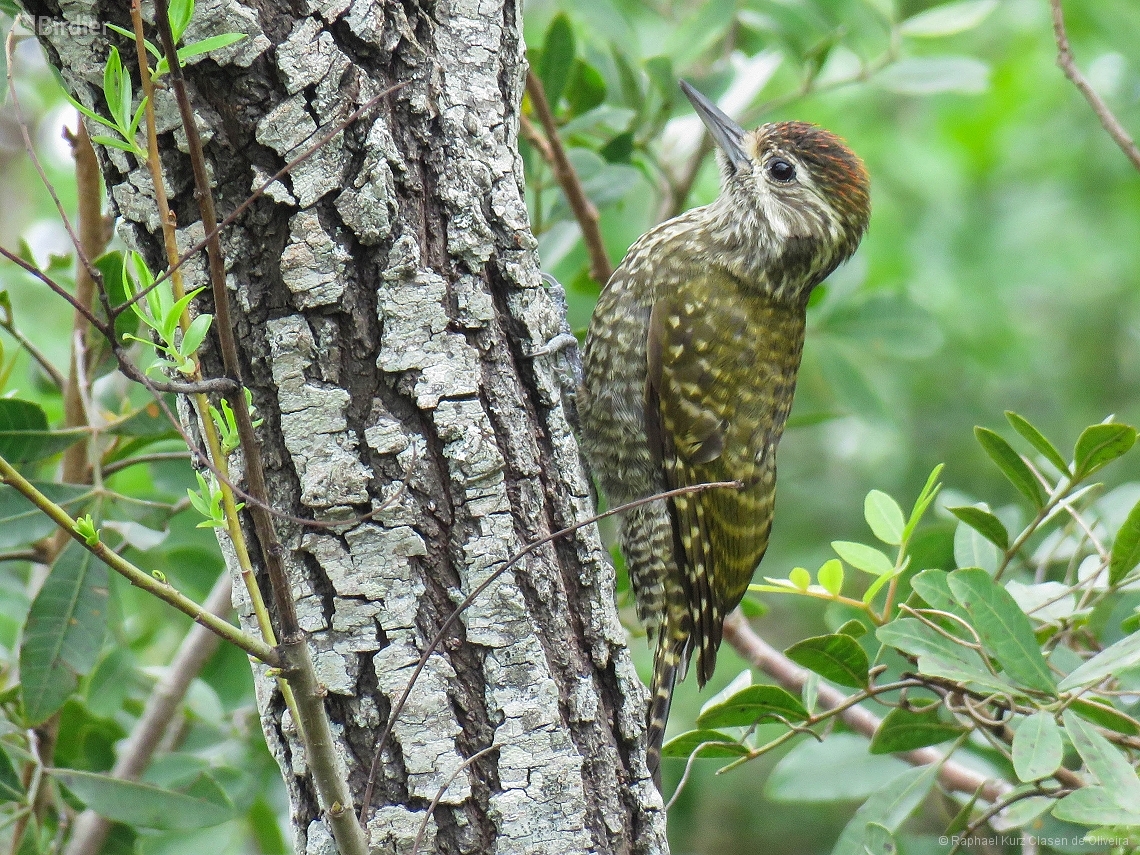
{"x": 830, "y": 576}
{"x": 1003, "y": 628}
{"x": 800, "y": 577}
{"x": 22, "y": 523}
{"x": 1105, "y": 716}
{"x": 934, "y": 588}
{"x": 853, "y": 773}
{"x": 904, "y": 730}
{"x": 195, "y": 334}
{"x": 557, "y": 58}
{"x": 884, "y": 516}
{"x": 64, "y": 632}
{"x": 1124, "y": 654}
{"x": 1094, "y": 806}
{"x": 984, "y": 523}
{"x": 973, "y": 550}
{"x": 25, "y": 435}
{"x": 1125, "y": 548}
{"x": 925, "y": 497}
{"x": 1105, "y": 761}
{"x": 1011, "y": 464}
{"x": 152, "y": 49}
{"x": 110, "y": 264}
{"x": 586, "y": 89}
{"x": 1024, "y": 811}
{"x": 200, "y": 805}
{"x": 947, "y": 19}
{"x": 937, "y": 655}
{"x": 115, "y": 143}
{"x": 181, "y": 11}
{"x": 117, "y": 90}
{"x": 1037, "y": 747}
{"x": 719, "y": 745}
{"x": 1037, "y": 439}
{"x": 878, "y": 840}
{"x": 863, "y": 557}
{"x": 206, "y": 45}
{"x": 619, "y": 149}
{"x": 751, "y": 705}
{"x": 835, "y": 657}
{"x": 888, "y": 807}
{"x": 854, "y": 627}
{"x": 1099, "y": 445}
{"x": 930, "y": 75}
{"x": 11, "y": 787}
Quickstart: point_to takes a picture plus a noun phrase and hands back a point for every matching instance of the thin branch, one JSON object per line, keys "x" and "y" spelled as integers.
{"x": 333, "y": 793}
{"x": 138, "y": 578}
{"x": 80, "y": 250}
{"x": 155, "y": 457}
{"x": 443, "y": 789}
{"x": 554, "y": 154}
{"x": 260, "y": 191}
{"x": 365, "y": 806}
{"x": 792, "y": 677}
{"x": 58, "y": 289}
{"x": 9, "y": 325}
{"x": 90, "y": 829}
{"x": 1069, "y": 66}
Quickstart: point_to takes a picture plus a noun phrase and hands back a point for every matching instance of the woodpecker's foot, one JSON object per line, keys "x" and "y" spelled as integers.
{"x": 559, "y": 342}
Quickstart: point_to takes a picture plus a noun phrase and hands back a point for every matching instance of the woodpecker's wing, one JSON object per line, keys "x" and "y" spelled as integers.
{"x": 721, "y": 367}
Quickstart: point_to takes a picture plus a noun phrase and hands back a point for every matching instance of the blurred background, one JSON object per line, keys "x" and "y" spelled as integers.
{"x": 1001, "y": 271}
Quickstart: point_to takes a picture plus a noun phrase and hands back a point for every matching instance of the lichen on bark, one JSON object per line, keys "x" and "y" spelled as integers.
{"x": 388, "y": 300}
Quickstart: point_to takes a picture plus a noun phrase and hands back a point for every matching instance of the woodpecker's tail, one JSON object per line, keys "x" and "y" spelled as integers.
{"x": 669, "y": 663}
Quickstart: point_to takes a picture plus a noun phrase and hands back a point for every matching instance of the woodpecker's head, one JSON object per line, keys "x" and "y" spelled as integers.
{"x": 792, "y": 191}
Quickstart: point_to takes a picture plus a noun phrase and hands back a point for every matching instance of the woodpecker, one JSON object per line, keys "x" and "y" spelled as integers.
{"x": 689, "y": 370}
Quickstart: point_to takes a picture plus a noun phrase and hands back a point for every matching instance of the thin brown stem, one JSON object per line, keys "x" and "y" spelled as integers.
{"x": 1068, "y": 65}
{"x": 90, "y": 829}
{"x": 398, "y": 708}
{"x": 334, "y": 795}
{"x": 138, "y": 578}
{"x": 792, "y": 677}
{"x": 554, "y": 154}
{"x": 80, "y": 252}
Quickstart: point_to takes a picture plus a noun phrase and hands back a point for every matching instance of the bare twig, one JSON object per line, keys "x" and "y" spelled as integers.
{"x": 553, "y": 152}
{"x": 365, "y": 806}
{"x": 138, "y": 578}
{"x": 80, "y": 250}
{"x": 443, "y": 789}
{"x": 1069, "y": 66}
{"x": 325, "y": 138}
{"x": 334, "y": 795}
{"x": 90, "y": 829}
{"x": 155, "y": 457}
{"x": 792, "y": 677}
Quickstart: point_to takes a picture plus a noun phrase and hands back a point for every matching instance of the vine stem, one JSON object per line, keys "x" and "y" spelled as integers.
{"x": 792, "y": 677}
{"x": 201, "y": 401}
{"x": 164, "y": 591}
{"x": 312, "y": 721}
{"x": 1069, "y": 66}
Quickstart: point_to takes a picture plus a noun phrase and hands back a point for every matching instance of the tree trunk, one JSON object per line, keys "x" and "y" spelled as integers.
{"x": 387, "y": 299}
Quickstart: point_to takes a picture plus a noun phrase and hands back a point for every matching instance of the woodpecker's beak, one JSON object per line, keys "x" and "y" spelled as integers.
{"x": 725, "y": 132}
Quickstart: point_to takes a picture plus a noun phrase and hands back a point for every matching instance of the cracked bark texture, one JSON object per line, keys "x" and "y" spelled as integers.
{"x": 387, "y": 298}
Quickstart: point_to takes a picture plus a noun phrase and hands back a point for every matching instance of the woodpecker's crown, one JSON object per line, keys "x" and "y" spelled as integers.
{"x": 790, "y": 183}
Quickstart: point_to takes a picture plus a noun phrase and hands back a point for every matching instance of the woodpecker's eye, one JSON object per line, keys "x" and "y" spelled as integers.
{"x": 781, "y": 170}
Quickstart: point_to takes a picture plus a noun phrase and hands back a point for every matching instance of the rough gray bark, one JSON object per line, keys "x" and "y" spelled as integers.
{"x": 387, "y": 297}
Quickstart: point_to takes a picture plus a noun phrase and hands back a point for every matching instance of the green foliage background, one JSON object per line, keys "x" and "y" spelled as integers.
{"x": 1001, "y": 271}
